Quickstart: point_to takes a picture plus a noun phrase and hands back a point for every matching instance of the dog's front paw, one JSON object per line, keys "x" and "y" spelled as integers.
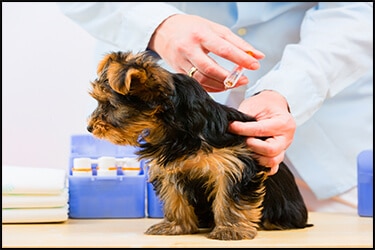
{"x": 232, "y": 233}
{"x": 170, "y": 228}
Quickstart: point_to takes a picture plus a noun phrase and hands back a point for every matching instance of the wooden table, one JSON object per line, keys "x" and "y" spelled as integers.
{"x": 330, "y": 230}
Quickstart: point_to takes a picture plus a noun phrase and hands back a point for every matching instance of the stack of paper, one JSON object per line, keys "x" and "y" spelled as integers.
{"x": 34, "y": 195}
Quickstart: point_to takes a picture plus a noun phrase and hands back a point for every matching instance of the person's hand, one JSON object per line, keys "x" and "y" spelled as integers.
{"x": 274, "y": 121}
{"x": 184, "y": 41}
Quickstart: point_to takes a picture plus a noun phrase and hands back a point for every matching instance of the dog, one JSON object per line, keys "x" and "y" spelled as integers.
{"x": 205, "y": 176}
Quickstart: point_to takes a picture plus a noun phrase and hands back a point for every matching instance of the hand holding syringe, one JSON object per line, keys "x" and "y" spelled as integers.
{"x": 235, "y": 74}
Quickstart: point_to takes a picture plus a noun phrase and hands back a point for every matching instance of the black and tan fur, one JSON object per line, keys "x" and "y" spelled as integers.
{"x": 205, "y": 176}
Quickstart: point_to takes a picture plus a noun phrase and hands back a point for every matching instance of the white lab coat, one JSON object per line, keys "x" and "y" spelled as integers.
{"x": 318, "y": 55}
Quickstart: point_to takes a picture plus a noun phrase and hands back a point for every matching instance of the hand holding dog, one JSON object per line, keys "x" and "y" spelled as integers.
{"x": 184, "y": 41}
{"x": 274, "y": 121}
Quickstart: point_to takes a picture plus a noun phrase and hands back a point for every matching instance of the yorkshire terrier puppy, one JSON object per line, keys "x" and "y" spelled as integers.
{"x": 204, "y": 175}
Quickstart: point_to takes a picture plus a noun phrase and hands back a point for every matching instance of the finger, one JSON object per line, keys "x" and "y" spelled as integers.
{"x": 207, "y": 66}
{"x": 262, "y": 128}
{"x": 227, "y": 50}
{"x": 228, "y": 35}
{"x": 271, "y": 163}
{"x": 270, "y": 147}
{"x": 273, "y": 170}
{"x": 208, "y": 77}
{"x": 212, "y": 85}
{"x": 210, "y": 70}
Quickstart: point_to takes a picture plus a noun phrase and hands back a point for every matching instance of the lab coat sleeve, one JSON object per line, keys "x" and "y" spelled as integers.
{"x": 126, "y": 25}
{"x": 335, "y": 50}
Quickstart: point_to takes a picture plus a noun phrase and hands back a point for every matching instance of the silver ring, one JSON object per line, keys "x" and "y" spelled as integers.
{"x": 192, "y": 71}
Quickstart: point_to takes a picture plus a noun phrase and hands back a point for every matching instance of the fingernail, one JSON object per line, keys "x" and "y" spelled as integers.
{"x": 260, "y": 54}
{"x": 256, "y": 54}
{"x": 255, "y": 65}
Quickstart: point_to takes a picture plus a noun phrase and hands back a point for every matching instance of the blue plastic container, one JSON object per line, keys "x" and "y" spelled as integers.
{"x": 95, "y": 196}
{"x": 365, "y": 168}
{"x": 154, "y": 205}
{"x": 107, "y": 197}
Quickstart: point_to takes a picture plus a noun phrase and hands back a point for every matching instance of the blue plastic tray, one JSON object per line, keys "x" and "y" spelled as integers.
{"x": 94, "y": 196}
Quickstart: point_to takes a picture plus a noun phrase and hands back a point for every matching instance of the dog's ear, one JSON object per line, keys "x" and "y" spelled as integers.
{"x": 136, "y": 74}
{"x": 102, "y": 64}
{"x": 120, "y": 79}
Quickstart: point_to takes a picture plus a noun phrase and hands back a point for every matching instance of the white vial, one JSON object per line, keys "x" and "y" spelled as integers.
{"x": 131, "y": 166}
{"x": 82, "y": 167}
{"x": 107, "y": 166}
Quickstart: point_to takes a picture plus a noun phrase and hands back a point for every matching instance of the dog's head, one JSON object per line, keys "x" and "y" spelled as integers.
{"x": 131, "y": 91}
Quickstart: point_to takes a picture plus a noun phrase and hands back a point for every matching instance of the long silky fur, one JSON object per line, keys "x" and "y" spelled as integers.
{"x": 204, "y": 175}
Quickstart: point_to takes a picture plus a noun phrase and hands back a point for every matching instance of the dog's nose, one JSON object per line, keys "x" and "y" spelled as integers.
{"x": 89, "y": 128}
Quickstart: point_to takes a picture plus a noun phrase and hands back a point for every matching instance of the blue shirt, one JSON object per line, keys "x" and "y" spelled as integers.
{"x": 319, "y": 56}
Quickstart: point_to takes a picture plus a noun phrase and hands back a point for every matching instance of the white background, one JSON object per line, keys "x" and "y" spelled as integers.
{"x": 47, "y": 66}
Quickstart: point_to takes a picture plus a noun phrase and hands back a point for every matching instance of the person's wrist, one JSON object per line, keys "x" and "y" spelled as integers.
{"x": 156, "y": 38}
{"x": 274, "y": 94}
